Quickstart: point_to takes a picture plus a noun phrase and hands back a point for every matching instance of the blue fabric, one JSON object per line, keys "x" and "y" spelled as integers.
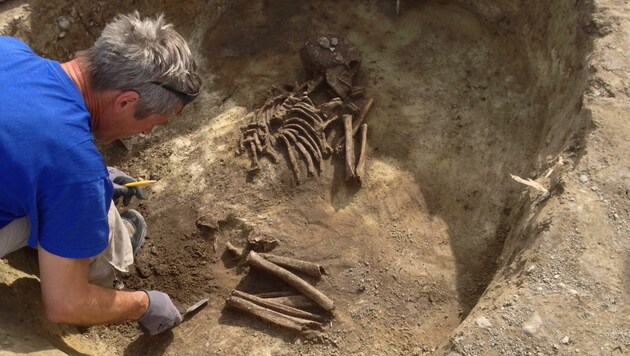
{"x": 50, "y": 168}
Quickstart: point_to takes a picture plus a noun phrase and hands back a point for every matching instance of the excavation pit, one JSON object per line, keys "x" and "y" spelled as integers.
{"x": 465, "y": 94}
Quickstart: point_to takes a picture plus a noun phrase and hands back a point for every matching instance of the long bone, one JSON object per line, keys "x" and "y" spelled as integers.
{"x": 360, "y": 171}
{"x": 357, "y": 124}
{"x": 347, "y": 124}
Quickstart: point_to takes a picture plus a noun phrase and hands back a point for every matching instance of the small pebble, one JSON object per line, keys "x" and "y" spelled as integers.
{"x": 63, "y": 22}
{"x": 532, "y": 324}
{"x": 483, "y": 322}
{"x": 324, "y": 42}
{"x": 565, "y": 340}
{"x": 531, "y": 268}
{"x": 583, "y": 178}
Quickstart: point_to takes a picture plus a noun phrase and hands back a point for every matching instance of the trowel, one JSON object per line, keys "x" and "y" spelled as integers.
{"x": 192, "y": 310}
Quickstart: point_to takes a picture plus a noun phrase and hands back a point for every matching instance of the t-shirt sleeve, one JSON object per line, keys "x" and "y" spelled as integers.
{"x": 72, "y": 219}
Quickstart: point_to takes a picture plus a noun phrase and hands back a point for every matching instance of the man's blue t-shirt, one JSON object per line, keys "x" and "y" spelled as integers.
{"x": 50, "y": 168}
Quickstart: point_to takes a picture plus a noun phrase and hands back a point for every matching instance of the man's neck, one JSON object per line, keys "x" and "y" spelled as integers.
{"x": 77, "y": 72}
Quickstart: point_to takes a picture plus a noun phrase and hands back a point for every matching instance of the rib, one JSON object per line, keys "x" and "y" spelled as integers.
{"x": 292, "y": 159}
{"x": 311, "y": 146}
{"x": 305, "y": 124}
{"x": 317, "y": 121}
{"x": 309, "y": 161}
{"x": 312, "y": 141}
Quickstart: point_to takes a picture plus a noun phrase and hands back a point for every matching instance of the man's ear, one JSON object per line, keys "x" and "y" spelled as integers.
{"x": 127, "y": 100}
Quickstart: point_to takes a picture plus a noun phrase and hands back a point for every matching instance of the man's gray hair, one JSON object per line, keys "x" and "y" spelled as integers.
{"x": 135, "y": 54}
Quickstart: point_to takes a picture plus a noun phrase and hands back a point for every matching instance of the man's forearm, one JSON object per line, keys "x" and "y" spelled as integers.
{"x": 69, "y": 298}
{"x": 99, "y": 305}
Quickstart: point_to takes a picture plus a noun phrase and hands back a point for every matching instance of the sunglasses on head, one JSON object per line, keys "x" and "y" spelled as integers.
{"x": 186, "y": 98}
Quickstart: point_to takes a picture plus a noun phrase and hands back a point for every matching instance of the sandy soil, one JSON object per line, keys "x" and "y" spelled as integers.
{"x": 441, "y": 252}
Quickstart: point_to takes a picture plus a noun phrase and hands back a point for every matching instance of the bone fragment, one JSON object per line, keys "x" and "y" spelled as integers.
{"x": 353, "y": 107}
{"x": 310, "y": 268}
{"x": 296, "y": 282}
{"x": 531, "y": 183}
{"x": 241, "y": 146}
{"x": 257, "y": 141}
{"x": 362, "y": 156}
{"x": 281, "y": 308}
{"x": 272, "y": 316}
{"x": 237, "y": 252}
{"x": 330, "y": 121}
{"x": 252, "y": 149}
{"x": 347, "y": 124}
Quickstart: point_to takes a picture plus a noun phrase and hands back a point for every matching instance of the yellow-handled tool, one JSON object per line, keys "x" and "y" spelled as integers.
{"x": 140, "y": 183}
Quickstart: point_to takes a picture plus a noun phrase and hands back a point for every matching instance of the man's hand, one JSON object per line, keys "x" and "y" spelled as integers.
{"x": 119, "y": 178}
{"x": 161, "y": 314}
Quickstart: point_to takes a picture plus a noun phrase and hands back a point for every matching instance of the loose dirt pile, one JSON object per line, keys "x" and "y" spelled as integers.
{"x": 440, "y": 251}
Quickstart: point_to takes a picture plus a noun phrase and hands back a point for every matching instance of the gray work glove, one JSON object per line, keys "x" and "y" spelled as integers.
{"x": 161, "y": 314}
{"x": 119, "y": 178}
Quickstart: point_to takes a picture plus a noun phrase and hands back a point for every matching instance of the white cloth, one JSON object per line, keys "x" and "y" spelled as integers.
{"x": 117, "y": 256}
{"x": 14, "y": 236}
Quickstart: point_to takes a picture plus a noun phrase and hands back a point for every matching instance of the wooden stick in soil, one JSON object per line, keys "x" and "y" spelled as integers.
{"x": 280, "y": 308}
{"x": 360, "y": 171}
{"x": 347, "y": 124}
{"x": 294, "y": 281}
{"x": 295, "y": 301}
{"x": 310, "y": 268}
{"x": 271, "y": 316}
